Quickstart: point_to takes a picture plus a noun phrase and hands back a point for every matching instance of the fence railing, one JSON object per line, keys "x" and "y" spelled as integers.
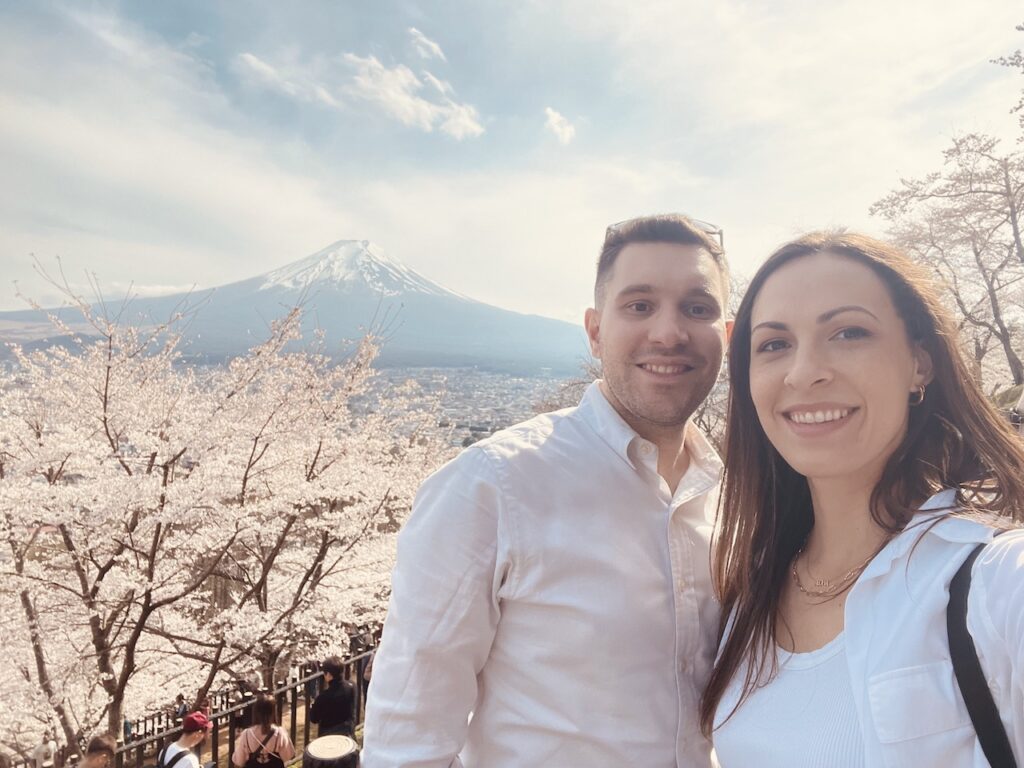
{"x": 294, "y": 698}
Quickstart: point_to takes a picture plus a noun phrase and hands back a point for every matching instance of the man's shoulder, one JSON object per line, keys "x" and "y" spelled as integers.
{"x": 187, "y": 759}
{"x": 538, "y": 433}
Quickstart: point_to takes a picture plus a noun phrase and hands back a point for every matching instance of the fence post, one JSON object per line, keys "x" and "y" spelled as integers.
{"x": 215, "y": 740}
{"x": 305, "y": 722}
{"x": 231, "y": 730}
{"x": 293, "y": 721}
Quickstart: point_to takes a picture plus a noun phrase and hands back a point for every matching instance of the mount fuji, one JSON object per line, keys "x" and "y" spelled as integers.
{"x": 345, "y": 288}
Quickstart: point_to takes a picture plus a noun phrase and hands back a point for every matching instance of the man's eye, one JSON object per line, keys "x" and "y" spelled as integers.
{"x": 639, "y": 306}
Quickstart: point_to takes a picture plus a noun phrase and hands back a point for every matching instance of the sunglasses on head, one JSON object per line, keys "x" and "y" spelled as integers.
{"x": 704, "y": 226}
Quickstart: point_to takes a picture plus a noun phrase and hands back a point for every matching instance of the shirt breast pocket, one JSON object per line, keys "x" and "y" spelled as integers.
{"x": 919, "y": 716}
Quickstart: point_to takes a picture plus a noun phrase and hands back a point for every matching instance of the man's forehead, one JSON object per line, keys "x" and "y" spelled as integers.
{"x": 664, "y": 266}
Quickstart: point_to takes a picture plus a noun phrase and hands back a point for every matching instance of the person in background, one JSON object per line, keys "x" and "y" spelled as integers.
{"x": 553, "y": 580}
{"x": 44, "y": 755}
{"x": 100, "y": 752}
{"x": 334, "y": 709}
{"x": 265, "y": 744}
{"x": 180, "y": 707}
{"x": 204, "y": 706}
{"x": 179, "y": 754}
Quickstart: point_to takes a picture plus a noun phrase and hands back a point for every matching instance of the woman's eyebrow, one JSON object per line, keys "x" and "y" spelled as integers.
{"x": 824, "y": 317}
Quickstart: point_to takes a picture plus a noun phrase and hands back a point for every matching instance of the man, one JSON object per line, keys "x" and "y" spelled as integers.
{"x": 179, "y": 754}
{"x": 553, "y": 580}
{"x": 334, "y": 708}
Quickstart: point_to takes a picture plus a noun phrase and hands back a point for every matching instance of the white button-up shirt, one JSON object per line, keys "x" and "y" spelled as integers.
{"x": 551, "y": 605}
{"x": 908, "y": 706}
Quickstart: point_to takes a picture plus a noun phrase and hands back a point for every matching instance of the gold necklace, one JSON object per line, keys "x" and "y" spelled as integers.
{"x": 826, "y": 588}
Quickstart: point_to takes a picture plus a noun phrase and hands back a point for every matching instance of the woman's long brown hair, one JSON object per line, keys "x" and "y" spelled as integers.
{"x": 955, "y": 439}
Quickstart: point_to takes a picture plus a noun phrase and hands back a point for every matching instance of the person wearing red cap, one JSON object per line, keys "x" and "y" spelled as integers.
{"x": 179, "y": 754}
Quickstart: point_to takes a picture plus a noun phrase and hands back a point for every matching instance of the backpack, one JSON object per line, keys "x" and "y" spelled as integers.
{"x": 160, "y": 758}
{"x": 261, "y": 757}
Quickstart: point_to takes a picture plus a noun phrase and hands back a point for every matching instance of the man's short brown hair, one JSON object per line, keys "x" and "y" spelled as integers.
{"x": 660, "y": 228}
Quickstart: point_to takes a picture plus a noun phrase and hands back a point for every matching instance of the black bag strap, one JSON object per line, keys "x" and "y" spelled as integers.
{"x": 163, "y": 754}
{"x": 263, "y": 744}
{"x": 969, "y": 674}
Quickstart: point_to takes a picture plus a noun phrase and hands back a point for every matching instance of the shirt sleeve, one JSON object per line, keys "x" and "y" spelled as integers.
{"x": 242, "y": 752}
{"x": 285, "y": 749}
{"x": 995, "y": 617}
{"x": 441, "y": 620}
{"x": 314, "y": 711}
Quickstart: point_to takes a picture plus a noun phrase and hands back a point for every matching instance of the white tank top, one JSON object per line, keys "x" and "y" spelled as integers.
{"x": 804, "y": 718}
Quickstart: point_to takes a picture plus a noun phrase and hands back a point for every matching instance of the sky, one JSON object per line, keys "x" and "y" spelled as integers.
{"x": 485, "y": 144}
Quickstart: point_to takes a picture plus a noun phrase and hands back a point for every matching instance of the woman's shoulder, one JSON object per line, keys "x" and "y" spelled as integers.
{"x": 996, "y": 601}
{"x": 1002, "y": 559}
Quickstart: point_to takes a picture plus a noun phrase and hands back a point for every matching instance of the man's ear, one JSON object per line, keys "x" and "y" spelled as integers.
{"x": 729, "y": 325}
{"x": 592, "y": 322}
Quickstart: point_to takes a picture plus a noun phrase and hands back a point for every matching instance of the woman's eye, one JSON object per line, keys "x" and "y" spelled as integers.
{"x": 849, "y": 334}
{"x": 775, "y": 345}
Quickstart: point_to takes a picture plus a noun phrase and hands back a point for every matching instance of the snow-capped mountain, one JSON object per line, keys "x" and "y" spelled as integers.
{"x": 356, "y": 264}
{"x": 345, "y": 289}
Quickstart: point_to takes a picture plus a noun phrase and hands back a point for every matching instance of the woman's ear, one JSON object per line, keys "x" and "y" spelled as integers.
{"x": 925, "y": 368}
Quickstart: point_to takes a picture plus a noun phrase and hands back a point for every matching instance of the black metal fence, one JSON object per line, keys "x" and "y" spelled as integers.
{"x": 230, "y": 715}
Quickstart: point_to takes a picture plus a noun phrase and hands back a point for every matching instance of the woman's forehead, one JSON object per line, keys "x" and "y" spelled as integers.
{"x": 818, "y": 283}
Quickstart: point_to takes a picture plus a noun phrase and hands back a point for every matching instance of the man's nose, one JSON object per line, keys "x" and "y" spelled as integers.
{"x": 669, "y": 329}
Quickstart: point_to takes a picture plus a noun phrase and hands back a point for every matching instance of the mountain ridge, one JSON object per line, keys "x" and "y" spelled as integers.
{"x": 342, "y": 289}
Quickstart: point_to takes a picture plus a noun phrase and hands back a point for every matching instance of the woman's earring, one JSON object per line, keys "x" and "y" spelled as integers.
{"x": 917, "y": 396}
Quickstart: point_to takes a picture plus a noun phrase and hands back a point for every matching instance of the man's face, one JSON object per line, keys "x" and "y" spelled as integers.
{"x": 659, "y": 331}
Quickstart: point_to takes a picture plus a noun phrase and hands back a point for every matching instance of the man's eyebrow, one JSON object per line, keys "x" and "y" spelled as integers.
{"x": 824, "y": 317}
{"x": 636, "y": 288}
{"x": 700, "y": 291}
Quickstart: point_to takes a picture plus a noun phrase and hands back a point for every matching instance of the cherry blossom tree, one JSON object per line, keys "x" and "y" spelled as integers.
{"x": 168, "y": 524}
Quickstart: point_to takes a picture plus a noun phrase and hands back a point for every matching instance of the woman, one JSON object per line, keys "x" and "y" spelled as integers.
{"x": 264, "y": 744}
{"x": 863, "y": 466}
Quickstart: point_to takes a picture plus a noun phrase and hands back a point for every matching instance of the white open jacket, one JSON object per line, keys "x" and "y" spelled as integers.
{"x": 910, "y": 710}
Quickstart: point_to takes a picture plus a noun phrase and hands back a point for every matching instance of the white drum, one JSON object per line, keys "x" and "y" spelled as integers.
{"x": 331, "y": 752}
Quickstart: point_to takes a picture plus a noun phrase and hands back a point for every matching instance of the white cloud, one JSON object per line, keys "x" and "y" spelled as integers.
{"x": 424, "y": 46}
{"x": 396, "y": 90}
{"x": 563, "y": 130}
{"x": 443, "y": 87}
{"x": 116, "y": 166}
{"x": 298, "y": 85}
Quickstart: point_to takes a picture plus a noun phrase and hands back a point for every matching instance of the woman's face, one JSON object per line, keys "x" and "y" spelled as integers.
{"x": 831, "y": 367}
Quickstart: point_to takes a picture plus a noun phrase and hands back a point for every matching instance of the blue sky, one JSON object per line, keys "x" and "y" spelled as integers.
{"x": 485, "y": 144}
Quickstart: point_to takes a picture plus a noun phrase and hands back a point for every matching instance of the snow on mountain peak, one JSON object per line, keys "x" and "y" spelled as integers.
{"x": 353, "y": 263}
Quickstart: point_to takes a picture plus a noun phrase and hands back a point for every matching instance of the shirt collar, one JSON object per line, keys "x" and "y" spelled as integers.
{"x": 602, "y": 417}
{"x": 595, "y": 409}
{"x": 934, "y": 518}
